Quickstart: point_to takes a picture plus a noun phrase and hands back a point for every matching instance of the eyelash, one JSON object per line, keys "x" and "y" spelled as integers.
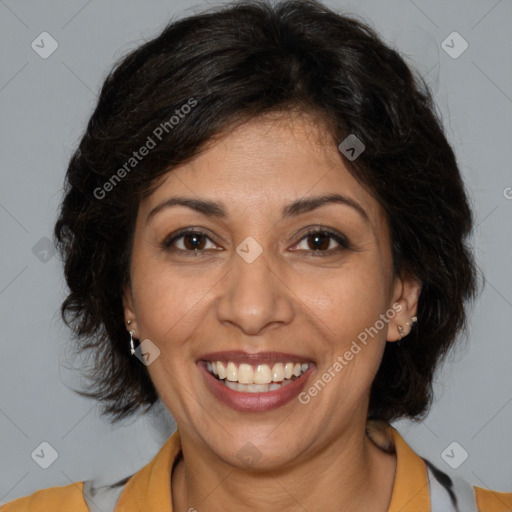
{"x": 337, "y": 237}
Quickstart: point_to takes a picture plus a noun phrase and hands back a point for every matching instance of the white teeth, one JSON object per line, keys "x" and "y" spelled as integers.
{"x": 221, "y": 371}
{"x": 248, "y": 388}
{"x": 288, "y": 370}
{"x": 262, "y": 376}
{"x": 278, "y": 372}
{"x": 246, "y": 374}
{"x": 231, "y": 372}
{"x": 255, "y": 388}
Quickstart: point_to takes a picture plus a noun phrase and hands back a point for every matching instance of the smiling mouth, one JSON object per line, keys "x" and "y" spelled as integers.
{"x": 259, "y": 378}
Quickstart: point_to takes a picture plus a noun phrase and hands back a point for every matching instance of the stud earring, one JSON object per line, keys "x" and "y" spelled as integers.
{"x": 414, "y": 320}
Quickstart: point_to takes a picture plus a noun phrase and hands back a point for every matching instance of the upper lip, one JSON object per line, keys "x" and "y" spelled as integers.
{"x": 239, "y": 356}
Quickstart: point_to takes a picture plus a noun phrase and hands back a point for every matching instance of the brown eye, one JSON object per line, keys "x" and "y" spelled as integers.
{"x": 194, "y": 241}
{"x": 323, "y": 243}
{"x": 188, "y": 241}
{"x": 319, "y": 241}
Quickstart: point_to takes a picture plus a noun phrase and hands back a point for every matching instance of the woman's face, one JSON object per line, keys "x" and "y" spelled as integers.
{"x": 258, "y": 290}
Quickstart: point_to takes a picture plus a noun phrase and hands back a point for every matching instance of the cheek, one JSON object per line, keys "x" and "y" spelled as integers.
{"x": 346, "y": 300}
{"x": 353, "y": 337}
{"x": 169, "y": 303}
{"x": 346, "y": 308}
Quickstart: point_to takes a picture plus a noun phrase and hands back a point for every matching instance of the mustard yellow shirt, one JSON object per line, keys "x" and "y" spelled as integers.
{"x": 149, "y": 489}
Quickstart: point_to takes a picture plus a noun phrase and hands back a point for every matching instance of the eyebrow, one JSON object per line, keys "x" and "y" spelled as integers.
{"x": 216, "y": 209}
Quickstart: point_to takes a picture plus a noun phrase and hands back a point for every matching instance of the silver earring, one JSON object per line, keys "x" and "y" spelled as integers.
{"x": 400, "y": 331}
{"x": 414, "y": 319}
{"x": 132, "y": 348}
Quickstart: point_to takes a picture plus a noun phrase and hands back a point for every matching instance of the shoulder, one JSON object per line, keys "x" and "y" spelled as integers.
{"x": 52, "y": 499}
{"x": 419, "y": 480}
{"x": 149, "y": 485}
{"x": 493, "y": 501}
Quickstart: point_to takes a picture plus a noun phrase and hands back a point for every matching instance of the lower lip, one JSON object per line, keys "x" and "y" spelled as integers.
{"x": 254, "y": 402}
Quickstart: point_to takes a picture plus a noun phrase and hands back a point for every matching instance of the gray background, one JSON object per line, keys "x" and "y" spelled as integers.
{"x": 45, "y": 104}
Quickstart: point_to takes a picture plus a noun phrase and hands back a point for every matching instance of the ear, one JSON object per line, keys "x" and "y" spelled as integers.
{"x": 129, "y": 310}
{"x": 406, "y": 294}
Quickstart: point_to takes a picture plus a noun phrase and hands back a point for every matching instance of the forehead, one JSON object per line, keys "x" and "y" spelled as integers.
{"x": 264, "y": 164}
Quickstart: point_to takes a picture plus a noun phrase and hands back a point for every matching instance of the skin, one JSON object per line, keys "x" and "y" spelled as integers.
{"x": 314, "y": 455}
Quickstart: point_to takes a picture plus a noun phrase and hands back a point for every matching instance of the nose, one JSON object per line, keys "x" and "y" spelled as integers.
{"x": 255, "y": 297}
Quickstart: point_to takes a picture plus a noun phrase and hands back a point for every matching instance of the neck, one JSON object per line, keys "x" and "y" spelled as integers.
{"x": 348, "y": 475}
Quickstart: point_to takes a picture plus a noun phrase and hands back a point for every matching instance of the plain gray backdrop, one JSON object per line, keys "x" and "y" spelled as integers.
{"x": 44, "y": 106}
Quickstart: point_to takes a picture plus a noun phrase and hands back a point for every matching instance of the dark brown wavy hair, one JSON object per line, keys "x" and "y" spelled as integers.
{"x": 237, "y": 62}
